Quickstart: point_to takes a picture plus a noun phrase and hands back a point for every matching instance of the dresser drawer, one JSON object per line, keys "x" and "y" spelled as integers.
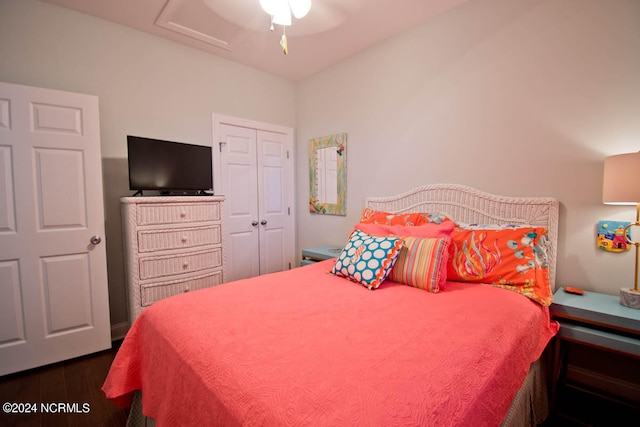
{"x": 171, "y": 265}
{"x": 178, "y": 238}
{"x": 157, "y": 291}
{"x": 175, "y": 213}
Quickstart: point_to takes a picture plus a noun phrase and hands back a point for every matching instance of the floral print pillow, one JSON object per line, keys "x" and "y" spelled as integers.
{"x": 511, "y": 258}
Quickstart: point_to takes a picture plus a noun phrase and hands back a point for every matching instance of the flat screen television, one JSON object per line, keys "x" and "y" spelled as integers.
{"x": 168, "y": 167}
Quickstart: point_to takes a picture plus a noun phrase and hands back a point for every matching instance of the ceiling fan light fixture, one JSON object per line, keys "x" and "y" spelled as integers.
{"x": 283, "y": 17}
{"x": 278, "y": 9}
{"x": 281, "y": 10}
{"x": 300, "y": 8}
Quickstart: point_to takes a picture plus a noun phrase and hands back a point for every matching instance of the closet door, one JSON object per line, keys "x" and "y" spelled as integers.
{"x": 239, "y": 181}
{"x": 256, "y": 177}
{"x": 54, "y": 302}
{"x": 273, "y": 208}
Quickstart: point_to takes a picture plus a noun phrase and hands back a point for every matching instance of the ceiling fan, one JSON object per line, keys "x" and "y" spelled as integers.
{"x": 281, "y": 10}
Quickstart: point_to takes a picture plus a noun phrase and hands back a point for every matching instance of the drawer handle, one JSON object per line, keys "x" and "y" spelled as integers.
{"x": 184, "y": 239}
{"x": 186, "y": 289}
{"x": 183, "y": 214}
{"x": 185, "y": 264}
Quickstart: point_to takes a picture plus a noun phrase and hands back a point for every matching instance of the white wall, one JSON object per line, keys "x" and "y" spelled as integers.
{"x": 515, "y": 97}
{"x": 147, "y": 86}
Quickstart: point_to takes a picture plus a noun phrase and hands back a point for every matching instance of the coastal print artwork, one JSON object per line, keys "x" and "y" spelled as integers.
{"x": 611, "y": 236}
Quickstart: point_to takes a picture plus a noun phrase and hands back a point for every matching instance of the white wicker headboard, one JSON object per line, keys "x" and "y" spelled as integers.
{"x": 467, "y": 204}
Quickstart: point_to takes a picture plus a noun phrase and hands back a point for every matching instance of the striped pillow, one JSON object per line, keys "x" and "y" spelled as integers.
{"x": 422, "y": 263}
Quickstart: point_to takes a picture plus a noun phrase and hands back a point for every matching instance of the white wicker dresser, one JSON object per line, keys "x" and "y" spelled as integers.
{"x": 173, "y": 244}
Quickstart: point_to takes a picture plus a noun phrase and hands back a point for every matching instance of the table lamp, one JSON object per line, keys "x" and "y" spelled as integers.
{"x": 621, "y": 186}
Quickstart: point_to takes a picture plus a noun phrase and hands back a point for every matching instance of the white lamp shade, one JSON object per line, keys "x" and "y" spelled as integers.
{"x": 621, "y": 182}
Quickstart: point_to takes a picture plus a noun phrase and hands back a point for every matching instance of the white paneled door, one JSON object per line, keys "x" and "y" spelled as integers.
{"x": 54, "y": 302}
{"x": 239, "y": 173}
{"x": 255, "y": 174}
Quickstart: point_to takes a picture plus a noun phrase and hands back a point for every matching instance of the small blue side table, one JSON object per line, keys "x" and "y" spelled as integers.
{"x": 596, "y": 320}
{"x": 320, "y": 253}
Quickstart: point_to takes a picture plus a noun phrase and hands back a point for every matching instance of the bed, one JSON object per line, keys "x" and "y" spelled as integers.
{"x": 307, "y": 347}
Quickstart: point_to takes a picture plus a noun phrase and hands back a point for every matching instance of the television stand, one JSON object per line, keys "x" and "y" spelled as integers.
{"x": 137, "y": 192}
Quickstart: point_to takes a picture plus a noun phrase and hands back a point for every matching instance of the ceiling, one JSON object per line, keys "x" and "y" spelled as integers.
{"x": 238, "y": 30}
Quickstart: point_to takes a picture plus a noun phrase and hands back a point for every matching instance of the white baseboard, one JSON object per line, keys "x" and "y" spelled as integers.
{"x": 118, "y": 331}
{"x": 610, "y": 385}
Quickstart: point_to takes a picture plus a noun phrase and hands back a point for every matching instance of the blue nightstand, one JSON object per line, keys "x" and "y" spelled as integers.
{"x": 598, "y": 320}
{"x": 595, "y": 320}
{"x": 320, "y": 253}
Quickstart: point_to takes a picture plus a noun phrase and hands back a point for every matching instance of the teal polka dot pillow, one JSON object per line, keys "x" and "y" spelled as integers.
{"x": 367, "y": 259}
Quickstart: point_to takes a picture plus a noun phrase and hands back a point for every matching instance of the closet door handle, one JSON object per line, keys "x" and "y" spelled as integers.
{"x": 263, "y": 222}
{"x": 254, "y": 223}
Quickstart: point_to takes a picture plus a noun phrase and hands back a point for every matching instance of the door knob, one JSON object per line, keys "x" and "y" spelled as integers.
{"x": 96, "y": 239}
{"x": 254, "y": 223}
{"x": 263, "y": 222}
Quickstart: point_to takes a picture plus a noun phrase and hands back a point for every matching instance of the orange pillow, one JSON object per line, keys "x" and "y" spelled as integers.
{"x": 430, "y": 229}
{"x": 513, "y": 259}
{"x": 370, "y": 216}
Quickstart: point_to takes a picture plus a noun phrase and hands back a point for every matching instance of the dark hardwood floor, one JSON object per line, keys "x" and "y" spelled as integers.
{"x": 73, "y": 381}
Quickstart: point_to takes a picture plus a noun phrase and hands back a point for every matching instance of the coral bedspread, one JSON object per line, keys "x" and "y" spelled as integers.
{"x": 304, "y": 347}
